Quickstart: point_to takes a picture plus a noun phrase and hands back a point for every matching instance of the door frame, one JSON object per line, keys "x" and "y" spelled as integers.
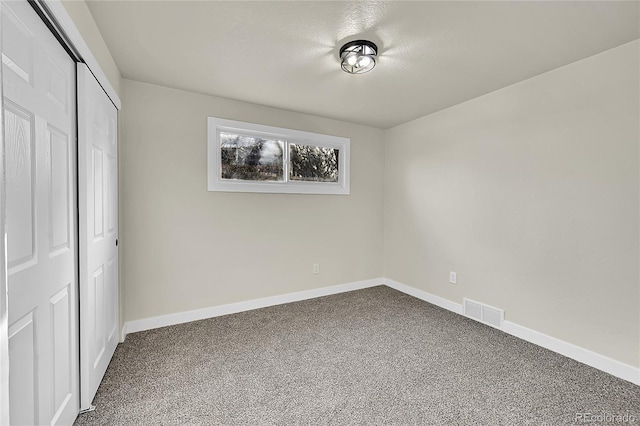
{"x": 4, "y": 313}
{"x": 56, "y": 17}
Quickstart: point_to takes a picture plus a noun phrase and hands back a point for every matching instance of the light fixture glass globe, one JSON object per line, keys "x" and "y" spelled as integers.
{"x": 358, "y": 56}
{"x": 351, "y": 59}
{"x": 364, "y": 61}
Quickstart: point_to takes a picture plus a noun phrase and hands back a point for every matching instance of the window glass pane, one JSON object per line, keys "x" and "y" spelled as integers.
{"x": 251, "y": 158}
{"x": 313, "y": 163}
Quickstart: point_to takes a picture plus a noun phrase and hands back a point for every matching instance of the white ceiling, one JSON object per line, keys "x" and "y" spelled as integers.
{"x": 285, "y": 54}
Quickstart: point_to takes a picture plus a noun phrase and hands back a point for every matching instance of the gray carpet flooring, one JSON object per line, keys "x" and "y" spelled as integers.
{"x": 368, "y": 357}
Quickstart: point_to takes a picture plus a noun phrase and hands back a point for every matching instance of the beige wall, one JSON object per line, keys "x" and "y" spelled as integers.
{"x": 186, "y": 248}
{"x": 83, "y": 19}
{"x": 531, "y": 194}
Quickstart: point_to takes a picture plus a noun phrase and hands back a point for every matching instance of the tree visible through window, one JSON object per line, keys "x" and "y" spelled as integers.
{"x": 313, "y": 163}
{"x": 251, "y": 158}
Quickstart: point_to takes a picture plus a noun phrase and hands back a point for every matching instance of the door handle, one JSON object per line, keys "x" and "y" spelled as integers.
{"x": 116, "y": 242}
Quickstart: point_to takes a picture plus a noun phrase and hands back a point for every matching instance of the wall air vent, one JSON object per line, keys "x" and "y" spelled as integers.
{"x": 483, "y": 313}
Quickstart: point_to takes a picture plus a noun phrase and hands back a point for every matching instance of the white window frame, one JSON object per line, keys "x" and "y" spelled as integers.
{"x": 214, "y": 159}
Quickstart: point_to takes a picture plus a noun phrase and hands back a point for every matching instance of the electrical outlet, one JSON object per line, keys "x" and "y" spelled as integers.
{"x": 452, "y": 277}
{"x": 316, "y": 268}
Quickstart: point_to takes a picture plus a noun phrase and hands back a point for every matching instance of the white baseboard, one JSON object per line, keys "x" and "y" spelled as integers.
{"x": 423, "y": 295}
{"x": 585, "y": 356}
{"x": 232, "y": 308}
{"x": 580, "y": 354}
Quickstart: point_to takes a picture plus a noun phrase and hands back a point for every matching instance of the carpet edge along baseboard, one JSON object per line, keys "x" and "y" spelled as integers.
{"x": 580, "y": 354}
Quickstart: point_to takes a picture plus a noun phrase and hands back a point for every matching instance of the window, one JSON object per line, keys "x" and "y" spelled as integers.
{"x": 245, "y": 157}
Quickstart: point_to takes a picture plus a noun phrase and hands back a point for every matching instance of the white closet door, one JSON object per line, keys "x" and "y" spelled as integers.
{"x": 98, "y": 195}
{"x": 39, "y": 126}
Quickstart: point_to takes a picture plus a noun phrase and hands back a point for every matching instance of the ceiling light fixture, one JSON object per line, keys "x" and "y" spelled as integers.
{"x": 358, "y": 56}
